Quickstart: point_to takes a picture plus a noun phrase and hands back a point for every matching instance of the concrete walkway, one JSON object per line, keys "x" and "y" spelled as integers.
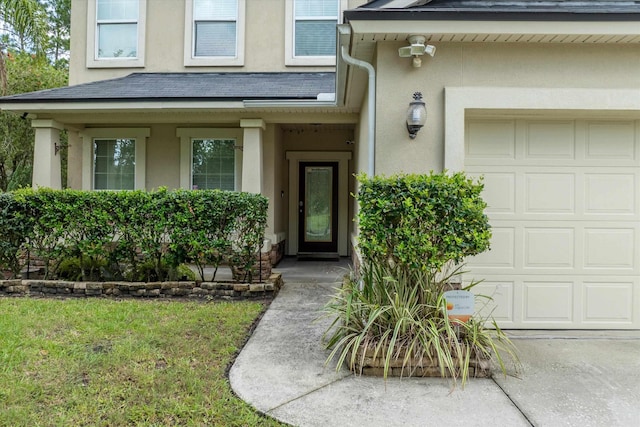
{"x": 568, "y": 379}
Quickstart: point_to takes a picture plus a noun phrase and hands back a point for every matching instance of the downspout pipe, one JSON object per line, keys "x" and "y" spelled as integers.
{"x": 372, "y": 105}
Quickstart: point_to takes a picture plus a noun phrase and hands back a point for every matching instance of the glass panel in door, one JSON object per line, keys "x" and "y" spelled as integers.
{"x": 318, "y": 207}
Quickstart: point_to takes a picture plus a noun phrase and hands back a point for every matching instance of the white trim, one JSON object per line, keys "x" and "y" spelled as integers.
{"x": 342, "y": 157}
{"x": 253, "y": 123}
{"x": 118, "y": 106}
{"x": 46, "y": 123}
{"x": 459, "y": 101}
{"x": 92, "y": 40}
{"x": 186, "y": 136}
{"x": 191, "y": 61}
{"x": 449, "y": 27}
{"x": 139, "y": 134}
{"x": 289, "y": 47}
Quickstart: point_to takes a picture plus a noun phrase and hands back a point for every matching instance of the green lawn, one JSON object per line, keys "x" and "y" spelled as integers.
{"x": 105, "y": 362}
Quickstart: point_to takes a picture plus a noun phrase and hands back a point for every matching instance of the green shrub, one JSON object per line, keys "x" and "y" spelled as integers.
{"x": 17, "y": 227}
{"x": 81, "y": 268}
{"x": 70, "y": 269}
{"x": 136, "y": 234}
{"x": 421, "y": 221}
{"x": 248, "y": 232}
{"x": 412, "y": 230}
{"x": 182, "y": 272}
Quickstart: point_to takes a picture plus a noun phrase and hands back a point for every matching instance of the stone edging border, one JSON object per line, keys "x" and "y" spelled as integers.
{"x": 187, "y": 289}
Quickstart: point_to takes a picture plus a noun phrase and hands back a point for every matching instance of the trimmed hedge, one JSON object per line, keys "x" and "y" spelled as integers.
{"x": 135, "y": 235}
{"x": 421, "y": 221}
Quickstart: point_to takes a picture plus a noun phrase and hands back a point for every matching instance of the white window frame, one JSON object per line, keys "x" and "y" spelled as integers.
{"x": 187, "y": 135}
{"x": 92, "y": 40}
{"x": 140, "y": 135}
{"x": 205, "y": 61}
{"x": 289, "y": 39}
{"x": 109, "y": 175}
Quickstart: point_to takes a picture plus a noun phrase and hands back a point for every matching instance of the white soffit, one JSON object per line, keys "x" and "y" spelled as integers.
{"x": 498, "y": 31}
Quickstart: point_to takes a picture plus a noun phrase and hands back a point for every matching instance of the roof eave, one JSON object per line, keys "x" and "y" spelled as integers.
{"x": 451, "y": 14}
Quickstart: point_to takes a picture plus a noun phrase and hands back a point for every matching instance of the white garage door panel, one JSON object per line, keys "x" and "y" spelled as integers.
{"x": 563, "y": 203}
{"x": 499, "y": 302}
{"x": 610, "y": 248}
{"x": 561, "y": 247}
{"x": 549, "y": 140}
{"x": 560, "y": 301}
{"x": 610, "y": 193}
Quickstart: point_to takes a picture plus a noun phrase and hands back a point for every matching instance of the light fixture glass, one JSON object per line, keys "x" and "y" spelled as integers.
{"x": 416, "y": 115}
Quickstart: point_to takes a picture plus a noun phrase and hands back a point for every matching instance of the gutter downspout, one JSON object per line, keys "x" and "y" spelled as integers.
{"x": 372, "y": 105}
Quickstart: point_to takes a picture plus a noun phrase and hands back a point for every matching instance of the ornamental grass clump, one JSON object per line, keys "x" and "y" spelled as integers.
{"x": 392, "y": 313}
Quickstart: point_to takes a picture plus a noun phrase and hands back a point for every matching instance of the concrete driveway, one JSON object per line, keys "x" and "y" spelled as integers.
{"x": 568, "y": 378}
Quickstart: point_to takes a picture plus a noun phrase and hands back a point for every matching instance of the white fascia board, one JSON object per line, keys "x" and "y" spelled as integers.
{"x": 119, "y": 106}
{"x": 293, "y": 103}
{"x": 495, "y": 27}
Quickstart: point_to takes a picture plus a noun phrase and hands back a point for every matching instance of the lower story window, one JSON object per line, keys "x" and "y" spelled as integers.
{"x": 213, "y": 164}
{"x": 114, "y": 164}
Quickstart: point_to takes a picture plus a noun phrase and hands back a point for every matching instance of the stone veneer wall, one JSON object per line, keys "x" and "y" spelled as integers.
{"x": 19, "y": 287}
{"x": 277, "y": 252}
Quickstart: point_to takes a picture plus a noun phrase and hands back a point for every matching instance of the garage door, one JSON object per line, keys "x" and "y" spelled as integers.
{"x": 564, "y": 206}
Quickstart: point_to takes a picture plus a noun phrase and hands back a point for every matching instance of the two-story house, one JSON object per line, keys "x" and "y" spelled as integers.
{"x": 290, "y": 98}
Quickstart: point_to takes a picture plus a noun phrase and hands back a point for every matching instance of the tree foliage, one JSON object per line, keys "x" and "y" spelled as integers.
{"x": 25, "y": 73}
{"x": 39, "y": 27}
{"x": 34, "y": 47}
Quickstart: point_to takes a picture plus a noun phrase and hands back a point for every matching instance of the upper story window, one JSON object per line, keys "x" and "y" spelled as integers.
{"x": 117, "y": 22}
{"x": 214, "y": 32}
{"x": 115, "y": 33}
{"x": 311, "y": 31}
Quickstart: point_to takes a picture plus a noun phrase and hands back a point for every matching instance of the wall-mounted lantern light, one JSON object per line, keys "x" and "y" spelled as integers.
{"x": 416, "y": 115}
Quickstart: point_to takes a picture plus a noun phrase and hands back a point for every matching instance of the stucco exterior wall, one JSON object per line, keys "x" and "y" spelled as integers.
{"x": 163, "y": 152}
{"x": 165, "y": 32}
{"x": 361, "y": 142}
{"x": 321, "y": 140}
{"x": 480, "y": 65}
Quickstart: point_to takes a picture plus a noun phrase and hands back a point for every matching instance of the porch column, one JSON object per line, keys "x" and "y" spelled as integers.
{"x": 252, "y": 155}
{"x": 46, "y": 162}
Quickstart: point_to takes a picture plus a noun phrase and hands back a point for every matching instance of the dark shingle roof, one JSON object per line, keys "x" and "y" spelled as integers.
{"x": 189, "y": 87}
{"x": 585, "y": 10}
